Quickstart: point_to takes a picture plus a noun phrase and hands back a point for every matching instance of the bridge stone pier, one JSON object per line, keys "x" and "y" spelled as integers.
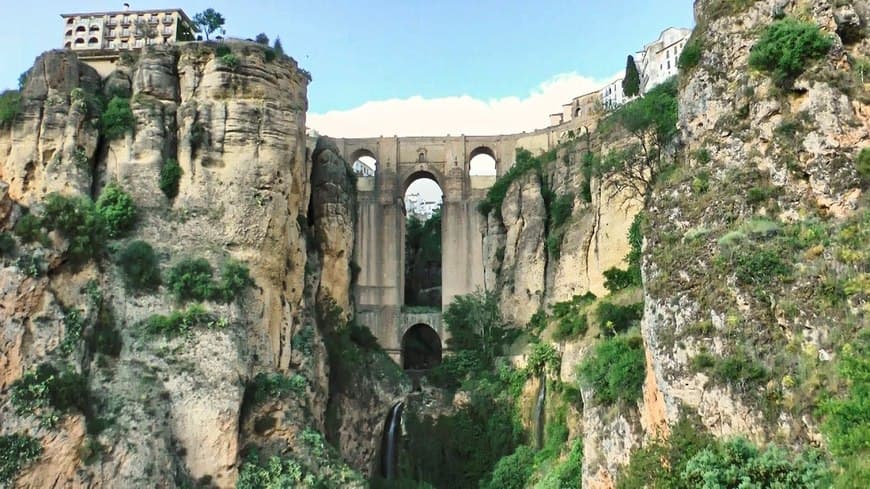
{"x": 380, "y": 228}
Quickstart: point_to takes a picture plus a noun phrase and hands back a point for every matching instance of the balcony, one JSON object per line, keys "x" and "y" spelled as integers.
{"x": 168, "y": 20}
{"x": 153, "y": 21}
{"x": 111, "y": 23}
{"x": 167, "y": 32}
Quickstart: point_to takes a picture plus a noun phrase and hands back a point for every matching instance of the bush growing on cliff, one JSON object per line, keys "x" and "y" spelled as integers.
{"x": 117, "y": 210}
{"x": 16, "y": 452}
{"x": 117, "y": 118}
{"x": 29, "y": 228}
{"x": 235, "y": 278}
{"x": 616, "y": 319}
{"x": 170, "y": 175}
{"x": 47, "y": 393}
{"x": 77, "y": 219}
{"x": 191, "y": 279}
{"x": 10, "y": 106}
{"x": 690, "y": 56}
{"x": 181, "y": 322}
{"x": 786, "y": 47}
{"x": 615, "y": 371}
{"x": 139, "y": 264}
{"x": 739, "y": 463}
{"x": 274, "y": 385}
{"x": 7, "y": 244}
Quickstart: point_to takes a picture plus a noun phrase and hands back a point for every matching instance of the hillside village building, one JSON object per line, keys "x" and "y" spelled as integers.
{"x": 655, "y": 64}
{"x": 99, "y": 37}
{"x": 658, "y": 60}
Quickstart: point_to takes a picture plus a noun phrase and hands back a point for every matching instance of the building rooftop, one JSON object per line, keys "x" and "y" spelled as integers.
{"x": 128, "y": 12}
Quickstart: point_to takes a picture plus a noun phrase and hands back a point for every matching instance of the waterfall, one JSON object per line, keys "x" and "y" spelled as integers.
{"x": 539, "y": 414}
{"x": 389, "y": 442}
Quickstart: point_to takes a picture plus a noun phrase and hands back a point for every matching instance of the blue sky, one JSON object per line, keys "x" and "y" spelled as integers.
{"x": 362, "y": 51}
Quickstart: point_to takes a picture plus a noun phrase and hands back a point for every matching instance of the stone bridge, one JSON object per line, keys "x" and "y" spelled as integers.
{"x": 380, "y": 232}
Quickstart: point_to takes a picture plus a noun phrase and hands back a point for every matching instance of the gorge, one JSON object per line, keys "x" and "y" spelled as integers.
{"x": 196, "y": 293}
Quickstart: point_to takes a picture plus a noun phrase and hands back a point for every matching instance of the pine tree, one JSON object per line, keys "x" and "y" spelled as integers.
{"x": 631, "y": 82}
{"x": 279, "y": 49}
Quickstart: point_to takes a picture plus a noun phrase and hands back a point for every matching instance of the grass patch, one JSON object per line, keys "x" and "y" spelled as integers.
{"x": 181, "y": 322}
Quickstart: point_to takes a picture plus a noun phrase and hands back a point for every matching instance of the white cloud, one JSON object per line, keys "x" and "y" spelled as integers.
{"x": 418, "y": 116}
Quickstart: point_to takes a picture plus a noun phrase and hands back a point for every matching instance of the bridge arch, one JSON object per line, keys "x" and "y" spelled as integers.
{"x": 482, "y": 162}
{"x": 364, "y": 162}
{"x": 421, "y": 348}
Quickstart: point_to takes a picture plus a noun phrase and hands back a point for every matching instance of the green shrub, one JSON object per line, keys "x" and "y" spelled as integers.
{"x": 863, "y": 164}
{"x": 560, "y": 210}
{"x": 660, "y": 462}
{"x": 191, "y": 279}
{"x": 616, "y": 279}
{"x": 754, "y": 265}
{"x": 7, "y": 244}
{"x": 701, "y": 182}
{"x": 31, "y": 265}
{"x": 513, "y": 471}
{"x": 703, "y": 155}
{"x": 615, "y": 370}
{"x": 543, "y": 356}
{"x": 738, "y": 462}
{"x": 73, "y": 325}
{"x": 29, "y": 228}
{"x": 786, "y": 47}
{"x": 46, "y": 393}
{"x": 222, "y": 50}
{"x": 230, "y": 61}
{"x": 117, "y": 119}
{"x": 170, "y": 175}
{"x": 139, "y": 264}
{"x": 274, "y": 385}
{"x": 571, "y": 327}
{"x": 77, "y": 219}
{"x": 10, "y": 106}
{"x": 181, "y": 322}
{"x": 615, "y": 319}
{"x": 235, "y": 278}
{"x": 761, "y": 193}
{"x": 16, "y": 452}
{"x": 117, "y": 210}
{"x": 269, "y": 55}
{"x": 691, "y": 55}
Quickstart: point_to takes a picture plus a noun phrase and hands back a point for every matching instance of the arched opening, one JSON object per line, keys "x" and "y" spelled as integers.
{"x": 423, "y": 198}
{"x": 482, "y": 162}
{"x": 93, "y": 41}
{"x": 67, "y": 45}
{"x": 80, "y": 28}
{"x": 94, "y": 28}
{"x": 68, "y": 33}
{"x": 421, "y": 348}
{"x": 364, "y": 163}
{"x": 79, "y": 41}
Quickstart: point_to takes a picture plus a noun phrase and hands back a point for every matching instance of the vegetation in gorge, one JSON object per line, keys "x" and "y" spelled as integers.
{"x": 423, "y": 261}
{"x": 691, "y": 458}
{"x": 117, "y": 119}
{"x": 139, "y": 265}
{"x": 191, "y": 279}
{"x": 170, "y": 175}
{"x": 181, "y": 322}
{"x": 47, "y": 393}
{"x": 16, "y": 452}
{"x": 10, "y": 105}
{"x": 615, "y": 371}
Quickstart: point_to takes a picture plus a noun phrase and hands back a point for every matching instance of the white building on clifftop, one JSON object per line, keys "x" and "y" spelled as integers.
{"x": 658, "y": 60}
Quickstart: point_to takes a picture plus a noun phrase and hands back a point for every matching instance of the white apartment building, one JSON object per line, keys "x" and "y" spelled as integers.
{"x": 658, "y": 60}
{"x": 125, "y": 29}
{"x": 612, "y": 95}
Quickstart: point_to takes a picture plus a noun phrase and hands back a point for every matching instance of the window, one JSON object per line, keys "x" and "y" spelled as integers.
{"x": 669, "y": 64}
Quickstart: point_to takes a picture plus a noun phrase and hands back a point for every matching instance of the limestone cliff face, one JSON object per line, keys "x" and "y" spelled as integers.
{"x": 237, "y": 130}
{"x": 811, "y": 179}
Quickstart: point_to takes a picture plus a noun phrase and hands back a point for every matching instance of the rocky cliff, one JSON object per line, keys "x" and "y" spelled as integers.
{"x": 209, "y": 143}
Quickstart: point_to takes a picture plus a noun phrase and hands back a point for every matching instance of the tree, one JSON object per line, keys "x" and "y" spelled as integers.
{"x": 208, "y": 21}
{"x": 652, "y": 122}
{"x": 262, "y": 38}
{"x": 279, "y": 49}
{"x": 146, "y": 29}
{"x": 631, "y": 82}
